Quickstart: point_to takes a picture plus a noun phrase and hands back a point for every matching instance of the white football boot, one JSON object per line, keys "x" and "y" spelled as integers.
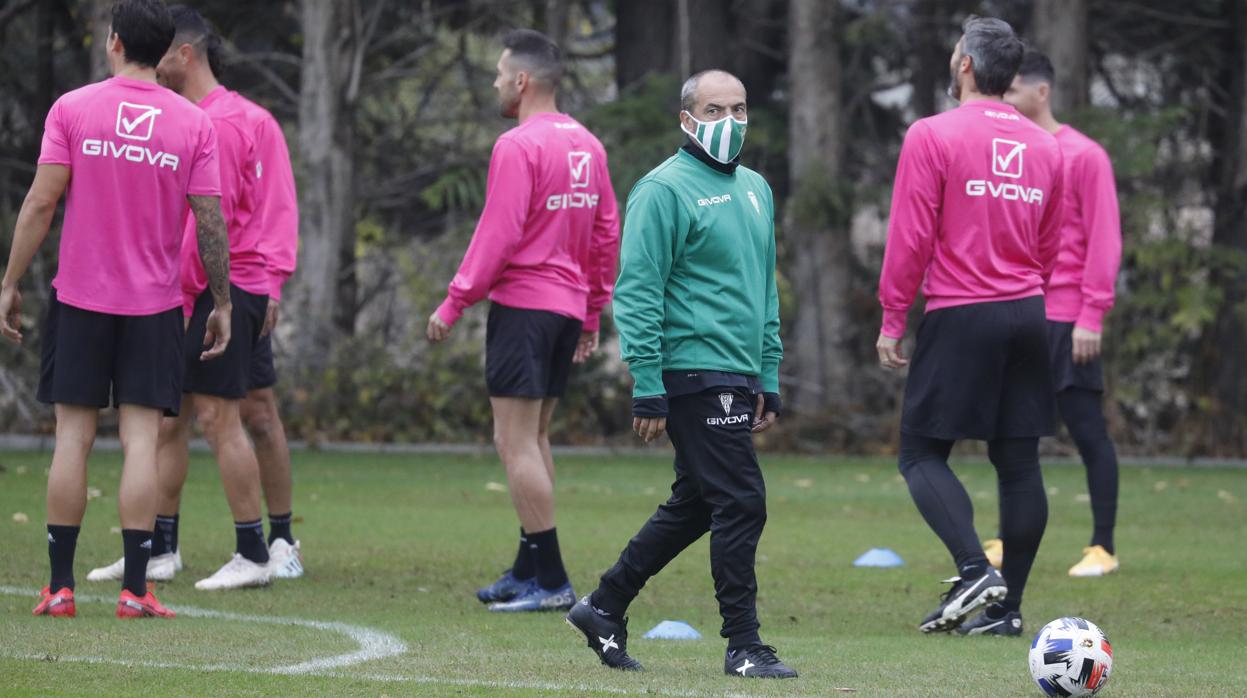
{"x": 285, "y": 560}
{"x": 238, "y": 573}
{"x": 160, "y": 568}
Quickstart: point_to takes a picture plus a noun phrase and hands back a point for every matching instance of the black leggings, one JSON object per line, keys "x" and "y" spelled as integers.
{"x": 1083, "y": 415}
{"x": 944, "y": 503}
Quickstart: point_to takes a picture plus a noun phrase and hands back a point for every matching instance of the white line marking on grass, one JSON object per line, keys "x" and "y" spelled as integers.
{"x": 373, "y": 645}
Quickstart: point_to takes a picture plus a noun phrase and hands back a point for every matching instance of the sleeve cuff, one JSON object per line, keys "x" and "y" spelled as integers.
{"x": 770, "y": 377}
{"x": 275, "y": 284}
{"x": 449, "y": 313}
{"x": 772, "y": 403}
{"x": 593, "y": 322}
{"x": 648, "y": 407}
{"x": 1091, "y": 318}
{"x": 894, "y": 323}
{"x": 647, "y": 379}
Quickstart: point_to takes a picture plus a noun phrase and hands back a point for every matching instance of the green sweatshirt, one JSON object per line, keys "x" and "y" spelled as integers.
{"x": 696, "y": 286}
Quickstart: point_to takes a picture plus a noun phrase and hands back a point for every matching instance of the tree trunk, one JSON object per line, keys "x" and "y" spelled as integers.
{"x": 816, "y": 234}
{"x": 929, "y": 62}
{"x": 99, "y": 18}
{"x": 555, "y": 20}
{"x": 644, "y": 39}
{"x": 327, "y": 197}
{"x": 1223, "y": 372}
{"x": 1059, "y": 29}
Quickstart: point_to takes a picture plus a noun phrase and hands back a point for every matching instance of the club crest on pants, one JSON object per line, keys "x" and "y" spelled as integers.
{"x": 725, "y": 399}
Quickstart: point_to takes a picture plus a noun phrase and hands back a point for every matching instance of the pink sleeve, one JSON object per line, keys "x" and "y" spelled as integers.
{"x": 1103, "y": 225}
{"x": 508, "y": 191}
{"x": 604, "y": 250}
{"x": 55, "y": 147}
{"x": 1049, "y": 239}
{"x": 913, "y": 226}
{"x": 205, "y": 177}
{"x": 277, "y": 206}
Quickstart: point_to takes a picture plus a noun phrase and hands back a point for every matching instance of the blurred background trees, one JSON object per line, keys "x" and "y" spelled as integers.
{"x": 389, "y": 109}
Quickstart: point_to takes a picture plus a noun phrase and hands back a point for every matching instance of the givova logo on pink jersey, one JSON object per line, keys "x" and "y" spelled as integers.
{"x": 135, "y": 122}
{"x": 578, "y": 162}
{"x": 1006, "y": 162}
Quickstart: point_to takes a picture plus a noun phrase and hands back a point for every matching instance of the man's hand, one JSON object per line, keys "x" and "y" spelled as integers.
{"x": 270, "y": 318}
{"x": 1086, "y": 345}
{"x": 763, "y": 420}
{"x": 585, "y": 347}
{"x": 437, "y": 331}
{"x": 11, "y": 314}
{"x": 889, "y": 349}
{"x": 649, "y": 428}
{"x": 216, "y": 334}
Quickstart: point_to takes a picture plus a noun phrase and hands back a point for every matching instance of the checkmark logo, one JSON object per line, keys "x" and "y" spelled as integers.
{"x": 135, "y": 121}
{"x": 1007, "y": 158}
{"x": 579, "y": 163}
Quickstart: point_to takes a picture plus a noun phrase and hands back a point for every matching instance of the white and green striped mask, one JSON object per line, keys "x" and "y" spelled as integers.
{"x": 722, "y": 139}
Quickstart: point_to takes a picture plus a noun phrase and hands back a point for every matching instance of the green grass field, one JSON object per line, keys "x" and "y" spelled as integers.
{"x": 397, "y": 544}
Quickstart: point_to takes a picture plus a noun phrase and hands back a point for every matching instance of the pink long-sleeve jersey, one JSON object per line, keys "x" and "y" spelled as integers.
{"x": 976, "y": 212}
{"x": 1082, "y": 288}
{"x": 548, "y": 238}
{"x": 276, "y": 216}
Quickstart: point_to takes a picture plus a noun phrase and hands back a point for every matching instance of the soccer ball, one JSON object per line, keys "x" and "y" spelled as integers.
{"x": 1071, "y": 657}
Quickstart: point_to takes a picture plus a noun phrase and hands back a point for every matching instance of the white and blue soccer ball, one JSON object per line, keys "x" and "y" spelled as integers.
{"x": 1071, "y": 657}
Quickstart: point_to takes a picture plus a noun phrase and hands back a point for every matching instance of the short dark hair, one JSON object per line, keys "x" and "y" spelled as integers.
{"x": 995, "y": 53}
{"x": 145, "y": 29}
{"x": 541, "y": 57}
{"x": 1036, "y": 66}
{"x": 193, "y": 29}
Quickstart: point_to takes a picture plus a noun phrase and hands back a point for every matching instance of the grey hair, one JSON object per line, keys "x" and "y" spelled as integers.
{"x": 995, "y": 53}
{"x": 688, "y": 92}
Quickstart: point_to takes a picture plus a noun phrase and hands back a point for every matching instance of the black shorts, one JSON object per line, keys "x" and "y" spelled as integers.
{"x": 981, "y": 371}
{"x": 89, "y": 357}
{"x": 528, "y": 353}
{"x": 229, "y": 374}
{"x": 1066, "y": 373}
{"x": 263, "y": 371}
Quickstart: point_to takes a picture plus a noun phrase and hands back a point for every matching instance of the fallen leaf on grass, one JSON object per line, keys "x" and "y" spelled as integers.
{"x": 21, "y": 518}
{"x": 862, "y": 477}
{"x": 1160, "y": 486}
{"x": 1053, "y": 491}
{"x": 1227, "y": 497}
{"x": 115, "y": 530}
{"x": 94, "y": 493}
{"x": 495, "y": 487}
{"x": 804, "y": 483}
{"x": 21, "y": 470}
{"x": 1082, "y": 498}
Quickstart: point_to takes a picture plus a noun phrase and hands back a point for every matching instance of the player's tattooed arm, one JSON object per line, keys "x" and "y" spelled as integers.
{"x": 213, "y": 245}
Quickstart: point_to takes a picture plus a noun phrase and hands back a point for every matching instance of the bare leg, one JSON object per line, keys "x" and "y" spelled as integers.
{"x": 67, "y": 478}
{"x": 516, "y": 427}
{"x": 173, "y": 459}
{"x": 263, "y": 424}
{"x": 240, "y": 474}
{"x": 543, "y": 434}
{"x": 140, "y": 429}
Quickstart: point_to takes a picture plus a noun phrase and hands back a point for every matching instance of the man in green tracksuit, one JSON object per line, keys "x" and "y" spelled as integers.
{"x": 698, "y": 317}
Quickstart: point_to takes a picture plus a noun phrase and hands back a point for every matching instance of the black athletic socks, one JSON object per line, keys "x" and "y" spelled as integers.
{"x": 524, "y": 567}
{"x": 250, "y": 543}
{"x": 279, "y": 527}
{"x": 548, "y": 559}
{"x": 604, "y": 603}
{"x": 165, "y": 540}
{"x": 62, "y": 541}
{"x": 138, "y": 550}
{"x": 973, "y": 570}
{"x": 744, "y": 641}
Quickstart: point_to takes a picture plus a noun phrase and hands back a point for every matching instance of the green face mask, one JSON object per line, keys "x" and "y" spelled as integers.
{"x": 722, "y": 139}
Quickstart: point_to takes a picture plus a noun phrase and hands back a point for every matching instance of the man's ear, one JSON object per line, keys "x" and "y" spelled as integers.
{"x": 1045, "y": 92}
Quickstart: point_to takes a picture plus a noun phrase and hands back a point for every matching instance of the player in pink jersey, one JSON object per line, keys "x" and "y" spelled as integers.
{"x": 1078, "y": 296}
{"x": 213, "y": 390}
{"x": 976, "y": 221}
{"x": 128, "y": 155}
{"x": 544, "y": 253}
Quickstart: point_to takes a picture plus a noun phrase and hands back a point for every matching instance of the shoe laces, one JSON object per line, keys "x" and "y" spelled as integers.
{"x": 955, "y": 582}
{"x": 764, "y": 655}
{"x": 237, "y": 563}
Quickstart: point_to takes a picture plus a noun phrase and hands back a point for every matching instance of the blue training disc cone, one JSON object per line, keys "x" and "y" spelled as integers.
{"x": 672, "y": 630}
{"x": 879, "y": 557}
